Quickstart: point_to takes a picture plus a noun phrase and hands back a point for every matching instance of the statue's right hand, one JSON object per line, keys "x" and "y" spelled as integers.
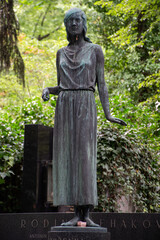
{"x": 45, "y": 94}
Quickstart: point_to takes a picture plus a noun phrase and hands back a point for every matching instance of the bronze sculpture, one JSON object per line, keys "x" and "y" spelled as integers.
{"x": 80, "y": 66}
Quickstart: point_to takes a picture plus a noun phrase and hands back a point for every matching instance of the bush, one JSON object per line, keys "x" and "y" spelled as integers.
{"x": 11, "y": 152}
{"x": 126, "y": 168}
{"x": 12, "y": 122}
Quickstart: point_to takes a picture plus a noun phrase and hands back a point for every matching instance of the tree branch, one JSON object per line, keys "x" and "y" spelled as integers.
{"x": 35, "y": 28}
{"x": 45, "y": 14}
{"x": 39, "y": 38}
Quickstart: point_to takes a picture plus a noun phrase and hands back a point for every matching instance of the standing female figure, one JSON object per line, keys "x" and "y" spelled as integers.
{"x": 80, "y": 67}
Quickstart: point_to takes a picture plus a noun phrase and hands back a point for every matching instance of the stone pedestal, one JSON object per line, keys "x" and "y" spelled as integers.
{"x": 78, "y": 233}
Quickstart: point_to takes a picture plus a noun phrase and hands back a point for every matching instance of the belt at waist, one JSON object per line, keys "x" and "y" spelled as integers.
{"x": 78, "y": 89}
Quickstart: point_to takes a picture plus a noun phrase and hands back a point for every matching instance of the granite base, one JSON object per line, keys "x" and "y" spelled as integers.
{"x": 78, "y": 233}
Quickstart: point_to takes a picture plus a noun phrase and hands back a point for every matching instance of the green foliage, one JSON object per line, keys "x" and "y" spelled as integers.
{"x": 40, "y": 62}
{"x": 128, "y": 32}
{"x": 11, "y": 153}
{"x": 43, "y": 19}
{"x": 10, "y": 144}
{"x": 143, "y": 120}
{"x": 40, "y": 65}
{"x": 133, "y": 42}
{"x": 126, "y": 168}
{"x": 39, "y": 18}
{"x": 33, "y": 111}
{"x": 120, "y": 160}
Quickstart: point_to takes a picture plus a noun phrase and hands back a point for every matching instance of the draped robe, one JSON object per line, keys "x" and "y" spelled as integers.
{"x": 75, "y": 129}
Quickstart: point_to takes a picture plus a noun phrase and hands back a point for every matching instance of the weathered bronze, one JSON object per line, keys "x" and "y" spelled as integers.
{"x": 80, "y": 66}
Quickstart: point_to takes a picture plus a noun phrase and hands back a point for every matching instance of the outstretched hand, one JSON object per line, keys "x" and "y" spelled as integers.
{"x": 117, "y": 120}
{"x": 45, "y": 94}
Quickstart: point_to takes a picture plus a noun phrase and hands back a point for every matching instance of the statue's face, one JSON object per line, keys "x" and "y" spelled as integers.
{"x": 74, "y": 24}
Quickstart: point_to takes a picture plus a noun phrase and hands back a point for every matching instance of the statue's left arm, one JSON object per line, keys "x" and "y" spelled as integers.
{"x": 102, "y": 88}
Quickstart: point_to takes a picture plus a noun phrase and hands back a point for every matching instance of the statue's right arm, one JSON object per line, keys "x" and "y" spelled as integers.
{"x": 52, "y": 90}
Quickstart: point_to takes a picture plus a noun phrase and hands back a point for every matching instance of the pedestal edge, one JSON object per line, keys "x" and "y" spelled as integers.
{"x": 78, "y": 229}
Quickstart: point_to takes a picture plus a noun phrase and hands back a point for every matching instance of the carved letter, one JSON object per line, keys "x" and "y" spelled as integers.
{"x": 158, "y": 224}
{"x": 113, "y": 223}
{"x": 55, "y": 222}
{"x": 133, "y": 224}
{"x": 123, "y": 224}
{"x": 32, "y": 236}
{"x": 146, "y": 224}
{"x": 23, "y": 223}
{"x": 101, "y": 222}
{"x": 34, "y": 223}
{"x": 45, "y": 223}
{"x": 63, "y": 221}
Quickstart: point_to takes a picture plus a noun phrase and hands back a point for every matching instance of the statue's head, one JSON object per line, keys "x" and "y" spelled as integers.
{"x": 79, "y": 14}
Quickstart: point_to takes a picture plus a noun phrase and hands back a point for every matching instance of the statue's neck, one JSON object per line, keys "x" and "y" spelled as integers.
{"x": 77, "y": 41}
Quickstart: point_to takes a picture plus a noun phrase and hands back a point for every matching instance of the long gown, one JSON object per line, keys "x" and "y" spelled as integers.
{"x": 74, "y": 141}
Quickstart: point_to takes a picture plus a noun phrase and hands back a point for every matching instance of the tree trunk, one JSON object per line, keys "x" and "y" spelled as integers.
{"x": 9, "y": 52}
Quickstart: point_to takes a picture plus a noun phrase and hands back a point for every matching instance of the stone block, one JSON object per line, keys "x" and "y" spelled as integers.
{"x": 78, "y": 233}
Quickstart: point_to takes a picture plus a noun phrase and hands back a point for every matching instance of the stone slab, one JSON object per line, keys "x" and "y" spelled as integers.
{"x": 78, "y": 233}
{"x": 37, "y": 155}
{"x": 122, "y": 226}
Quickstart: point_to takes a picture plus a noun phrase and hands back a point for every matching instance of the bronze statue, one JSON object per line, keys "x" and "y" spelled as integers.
{"x": 80, "y": 66}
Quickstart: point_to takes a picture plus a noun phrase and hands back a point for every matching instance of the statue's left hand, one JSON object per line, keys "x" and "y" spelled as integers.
{"x": 116, "y": 120}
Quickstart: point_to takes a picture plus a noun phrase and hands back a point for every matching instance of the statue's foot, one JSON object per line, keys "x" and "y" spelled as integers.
{"x": 90, "y": 223}
{"x": 72, "y": 222}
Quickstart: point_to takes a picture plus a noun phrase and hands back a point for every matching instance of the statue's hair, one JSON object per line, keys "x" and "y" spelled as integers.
{"x": 68, "y": 15}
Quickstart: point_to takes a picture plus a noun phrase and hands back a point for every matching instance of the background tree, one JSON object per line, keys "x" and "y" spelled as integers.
{"x": 9, "y": 52}
{"x": 129, "y": 32}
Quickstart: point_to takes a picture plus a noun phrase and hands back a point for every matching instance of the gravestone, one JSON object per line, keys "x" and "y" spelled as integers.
{"x": 37, "y": 168}
{"x": 122, "y": 226}
{"x": 35, "y": 226}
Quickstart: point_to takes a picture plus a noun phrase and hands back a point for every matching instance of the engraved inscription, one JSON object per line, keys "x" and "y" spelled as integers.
{"x": 134, "y": 224}
{"x": 55, "y": 222}
{"x": 123, "y": 224}
{"x": 34, "y": 223}
{"x": 45, "y": 223}
{"x": 113, "y": 223}
{"x": 146, "y": 224}
{"x": 66, "y": 238}
{"x": 40, "y": 236}
{"x": 23, "y": 223}
{"x": 158, "y": 224}
{"x": 102, "y": 222}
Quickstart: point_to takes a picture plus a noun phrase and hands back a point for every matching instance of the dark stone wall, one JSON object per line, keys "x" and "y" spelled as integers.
{"x": 122, "y": 226}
